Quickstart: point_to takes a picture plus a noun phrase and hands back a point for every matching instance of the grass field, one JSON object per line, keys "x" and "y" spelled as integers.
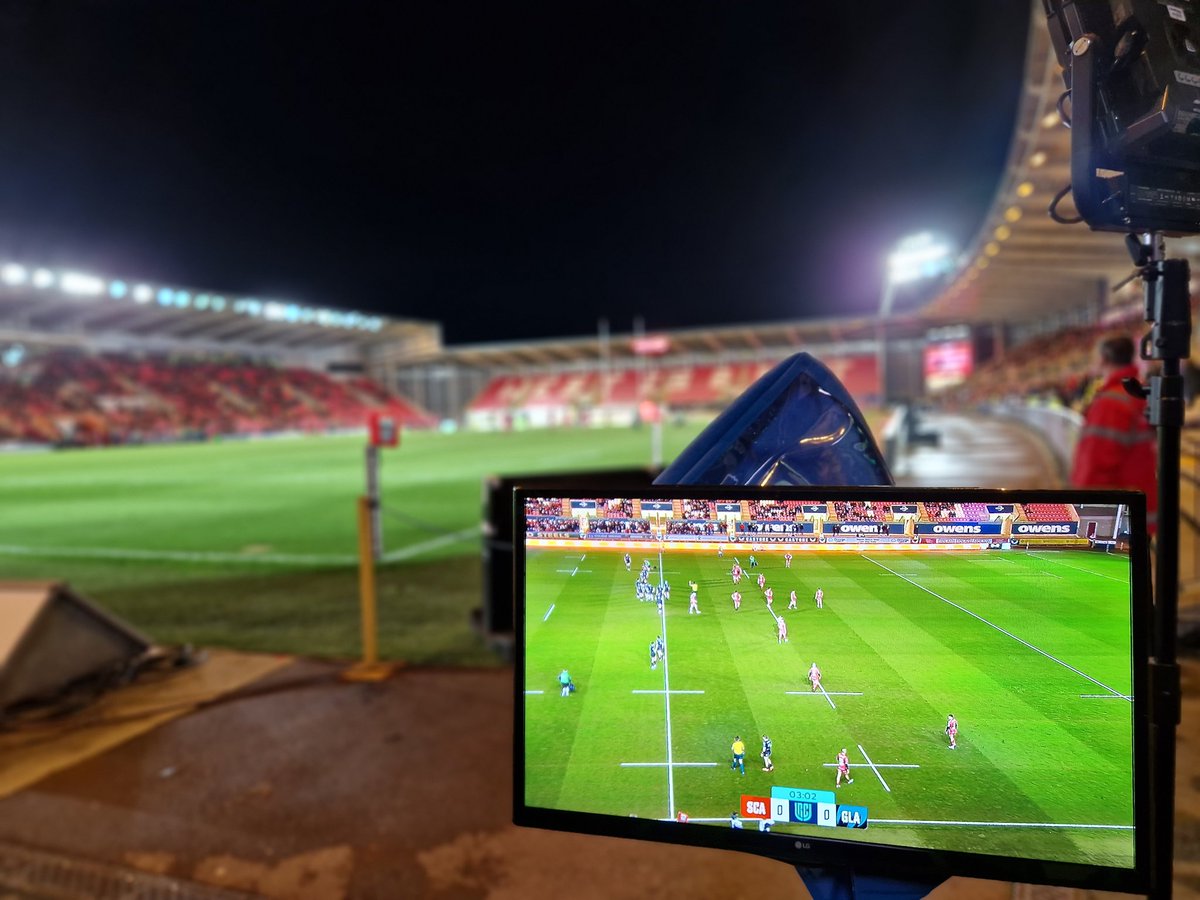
{"x": 1038, "y": 679}
{"x": 252, "y": 544}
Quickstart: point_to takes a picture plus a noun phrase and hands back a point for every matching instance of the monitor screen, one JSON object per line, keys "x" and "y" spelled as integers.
{"x": 924, "y": 680}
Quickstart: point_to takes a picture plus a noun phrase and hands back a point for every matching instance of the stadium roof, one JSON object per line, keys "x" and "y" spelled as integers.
{"x": 1021, "y": 265}
{"x": 40, "y": 305}
{"x": 771, "y": 339}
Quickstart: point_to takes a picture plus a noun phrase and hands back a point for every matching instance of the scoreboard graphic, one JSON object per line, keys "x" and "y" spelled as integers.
{"x": 802, "y": 806}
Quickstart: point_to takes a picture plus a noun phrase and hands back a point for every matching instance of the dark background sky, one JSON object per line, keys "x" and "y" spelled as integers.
{"x": 511, "y": 170}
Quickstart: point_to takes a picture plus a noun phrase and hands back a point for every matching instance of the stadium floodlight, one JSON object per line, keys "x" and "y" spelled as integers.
{"x": 218, "y": 303}
{"x": 43, "y": 278}
{"x": 143, "y": 293}
{"x": 916, "y": 257}
{"x": 80, "y": 283}
{"x": 117, "y": 289}
{"x": 182, "y": 299}
{"x": 14, "y": 274}
{"x": 165, "y": 296}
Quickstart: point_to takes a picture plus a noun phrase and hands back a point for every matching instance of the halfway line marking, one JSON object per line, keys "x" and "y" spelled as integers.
{"x": 1001, "y": 630}
{"x": 874, "y": 768}
{"x": 547, "y": 615}
{"x": 667, "y": 698}
{"x": 664, "y": 692}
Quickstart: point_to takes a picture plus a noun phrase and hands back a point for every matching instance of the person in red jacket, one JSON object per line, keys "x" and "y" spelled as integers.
{"x": 1117, "y": 447}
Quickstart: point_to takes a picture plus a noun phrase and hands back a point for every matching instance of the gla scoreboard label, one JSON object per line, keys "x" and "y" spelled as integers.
{"x": 801, "y": 806}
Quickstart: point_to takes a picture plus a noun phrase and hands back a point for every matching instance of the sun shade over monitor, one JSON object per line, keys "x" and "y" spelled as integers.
{"x": 951, "y": 680}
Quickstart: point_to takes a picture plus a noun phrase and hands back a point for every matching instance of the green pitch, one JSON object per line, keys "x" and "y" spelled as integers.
{"x": 1028, "y": 650}
{"x": 252, "y": 544}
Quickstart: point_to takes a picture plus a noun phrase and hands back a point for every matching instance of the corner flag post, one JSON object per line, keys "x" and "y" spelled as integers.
{"x": 370, "y": 549}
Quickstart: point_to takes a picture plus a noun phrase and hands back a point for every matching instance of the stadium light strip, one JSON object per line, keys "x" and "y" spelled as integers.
{"x": 84, "y": 284}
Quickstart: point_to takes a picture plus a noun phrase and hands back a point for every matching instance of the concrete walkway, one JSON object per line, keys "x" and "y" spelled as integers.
{"x": 974, "y": 451}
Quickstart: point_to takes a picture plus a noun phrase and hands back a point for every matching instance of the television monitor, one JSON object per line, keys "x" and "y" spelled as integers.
{"x": 952, "y": 681}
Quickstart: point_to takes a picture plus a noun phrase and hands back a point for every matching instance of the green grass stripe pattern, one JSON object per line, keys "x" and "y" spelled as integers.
{"x": 1014, "y": 644}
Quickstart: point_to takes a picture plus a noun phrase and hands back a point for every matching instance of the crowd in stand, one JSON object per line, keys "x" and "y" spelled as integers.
{"x": 616, "y": 507}
{"x": 699, "y": 509}
{"x": 541, "y": 506}
{"x": 1056, "y": 368}
{"x": 675, "y": 526}
{"x": 71, "y": 397}
{"x": 618, "y": 526}
{"x": 856, "y": 511}
{"x": 940, "y": 510}
{"x": 553, "y": 525}
{"x": 775, "y": 510}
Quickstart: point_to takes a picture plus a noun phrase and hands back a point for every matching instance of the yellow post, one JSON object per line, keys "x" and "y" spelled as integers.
{"x": 369, "y": 669}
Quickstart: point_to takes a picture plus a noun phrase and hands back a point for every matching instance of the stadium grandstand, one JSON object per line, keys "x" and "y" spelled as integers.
{"x": 90, "y": 361}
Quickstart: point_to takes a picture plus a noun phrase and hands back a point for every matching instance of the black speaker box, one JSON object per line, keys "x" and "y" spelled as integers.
{"x": 52, "y": 638}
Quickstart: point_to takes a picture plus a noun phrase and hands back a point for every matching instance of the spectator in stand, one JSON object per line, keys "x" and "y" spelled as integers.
{"x": 1117, "y": 447}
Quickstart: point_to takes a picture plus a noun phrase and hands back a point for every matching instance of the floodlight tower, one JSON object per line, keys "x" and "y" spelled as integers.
{"x": 916, "y": 257}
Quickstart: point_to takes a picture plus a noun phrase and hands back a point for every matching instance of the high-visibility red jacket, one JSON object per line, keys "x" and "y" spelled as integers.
{"x": 1117, "y": 447}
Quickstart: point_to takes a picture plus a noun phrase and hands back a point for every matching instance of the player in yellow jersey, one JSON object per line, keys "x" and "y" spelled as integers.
{"x": 739, "y": 754}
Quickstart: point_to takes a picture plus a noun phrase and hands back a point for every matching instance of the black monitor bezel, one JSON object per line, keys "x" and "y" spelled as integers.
{"x": 870, "y": 858}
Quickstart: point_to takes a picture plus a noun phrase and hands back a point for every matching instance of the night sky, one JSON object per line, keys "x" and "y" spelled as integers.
{"x": 511, "y": 170}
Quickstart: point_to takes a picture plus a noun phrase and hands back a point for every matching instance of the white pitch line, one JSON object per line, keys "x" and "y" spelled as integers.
{"x": 1065, "y": 665}
{"x": 667, "y": 699}
{"x": 535, "y": 692}
{"x": 657, "y": 765}
{"x": 573, "y": 571}
{"x": 1105, "y": 697}
{"x": 432, "y": 544}
{"x": 827, "y": 693}
{"x": 580, "y": 563}
{"x": 724, "y": 819}
{"x": 874, "y": 768}
{"x": 827, "y": 697}
{"x": 225, "y": 558}
{"x": 547, "y": 615}
{"x": 1034, "y": 554}
{"x": 199, "y": 556}
{"x": 664, "y": 692}
{"x": 1000, "y": 824}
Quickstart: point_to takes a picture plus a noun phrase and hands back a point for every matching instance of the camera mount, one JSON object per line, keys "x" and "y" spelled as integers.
{"x": 1132, "y": 70}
